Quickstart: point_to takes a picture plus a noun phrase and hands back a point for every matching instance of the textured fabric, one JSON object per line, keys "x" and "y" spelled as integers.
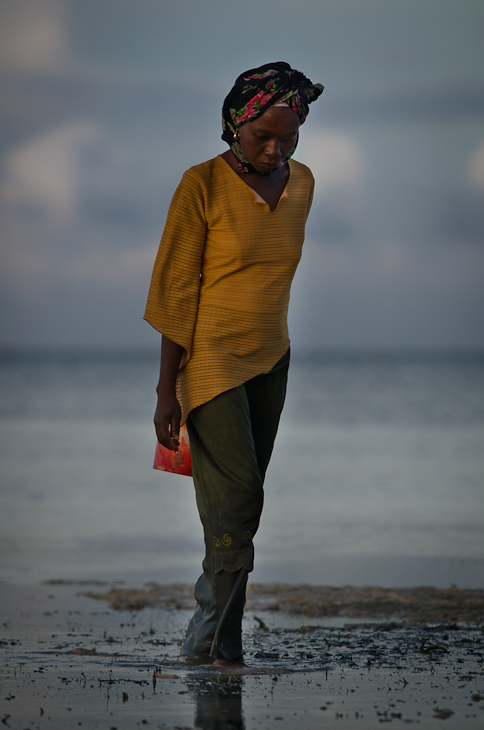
{"x": 231, "y": 440}
{"x": 212, "y": 591}
{"x": 222, "y": 277}
{"x": 257, "y": 90}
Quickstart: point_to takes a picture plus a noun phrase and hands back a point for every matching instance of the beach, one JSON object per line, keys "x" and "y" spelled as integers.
{"x": 71, "y": 660}
{"x": 366, "y": 603}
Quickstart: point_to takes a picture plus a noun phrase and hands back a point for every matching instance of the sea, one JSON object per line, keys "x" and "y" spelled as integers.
{"x": 377, "y": 475}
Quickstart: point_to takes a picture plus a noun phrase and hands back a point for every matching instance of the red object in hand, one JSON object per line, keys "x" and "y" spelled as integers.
{"x": 179, "y": 462}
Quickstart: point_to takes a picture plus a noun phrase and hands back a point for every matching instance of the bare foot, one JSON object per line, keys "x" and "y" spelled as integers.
{"x": 196, "y": 660}
{"x": 230, "y": 663}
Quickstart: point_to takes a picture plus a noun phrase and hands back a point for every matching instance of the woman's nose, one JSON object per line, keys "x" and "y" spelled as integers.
{"x": 273, "y": 148}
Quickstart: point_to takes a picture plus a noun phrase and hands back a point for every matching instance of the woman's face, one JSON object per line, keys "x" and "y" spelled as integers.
{"x": 268, "y": 140}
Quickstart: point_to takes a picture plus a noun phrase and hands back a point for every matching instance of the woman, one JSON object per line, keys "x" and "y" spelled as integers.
{"x": 219, "y": 296}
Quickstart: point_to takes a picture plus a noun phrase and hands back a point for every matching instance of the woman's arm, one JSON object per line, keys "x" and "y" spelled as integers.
{"x": 168, "y": 411}
{"x": 172, "y": 304}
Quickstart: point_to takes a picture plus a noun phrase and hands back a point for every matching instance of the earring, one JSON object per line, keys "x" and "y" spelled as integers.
{"x": 236, "y": 135}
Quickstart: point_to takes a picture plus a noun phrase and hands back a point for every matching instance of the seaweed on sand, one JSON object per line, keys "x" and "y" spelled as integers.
{"x": 412, "y": 606}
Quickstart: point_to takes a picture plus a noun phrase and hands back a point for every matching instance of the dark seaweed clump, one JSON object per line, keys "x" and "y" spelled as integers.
{"x": 411, "y": 606}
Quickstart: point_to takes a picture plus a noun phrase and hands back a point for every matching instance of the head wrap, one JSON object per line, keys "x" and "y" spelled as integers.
{"x": 256, "y": 91}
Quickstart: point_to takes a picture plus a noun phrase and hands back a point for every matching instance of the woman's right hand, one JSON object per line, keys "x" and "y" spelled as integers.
{"x": 168, "y": 412}
{"x": 167, "y": 420}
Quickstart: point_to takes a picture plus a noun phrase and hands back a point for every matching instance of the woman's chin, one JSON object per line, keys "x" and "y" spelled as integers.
{"x": 266, "y": 168}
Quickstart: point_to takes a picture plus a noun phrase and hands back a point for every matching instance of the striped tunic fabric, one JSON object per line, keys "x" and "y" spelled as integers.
{"x": 222, "y": 277}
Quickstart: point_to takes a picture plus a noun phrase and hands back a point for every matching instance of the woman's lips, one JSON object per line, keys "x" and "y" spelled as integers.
{"x": 270, "y": 165}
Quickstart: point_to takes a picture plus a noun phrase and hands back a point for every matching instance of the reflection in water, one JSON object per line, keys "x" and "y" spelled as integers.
{"x": 218, "y": 702}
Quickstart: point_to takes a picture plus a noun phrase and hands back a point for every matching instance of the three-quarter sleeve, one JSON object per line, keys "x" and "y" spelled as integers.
{"x": 175, "y": 284}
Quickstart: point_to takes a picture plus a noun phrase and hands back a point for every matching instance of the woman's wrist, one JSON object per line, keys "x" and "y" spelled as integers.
{"x": 171, "y": 355}
{"x": 166, "y": 391}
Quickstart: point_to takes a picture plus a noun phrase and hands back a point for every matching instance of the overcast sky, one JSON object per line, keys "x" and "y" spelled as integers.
{"x": 105, "y": 103}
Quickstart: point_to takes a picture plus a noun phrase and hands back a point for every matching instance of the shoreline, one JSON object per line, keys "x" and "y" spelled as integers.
{"x": 69, "y": 661}
{"x": 411, "y": 606}
{"x": 112, "y": 566}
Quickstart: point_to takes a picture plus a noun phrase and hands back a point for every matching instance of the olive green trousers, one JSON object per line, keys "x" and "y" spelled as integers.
{"x": 231, "y": 442}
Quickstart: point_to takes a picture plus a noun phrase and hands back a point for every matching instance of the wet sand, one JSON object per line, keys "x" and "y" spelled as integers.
{"x": 318, "y": 658}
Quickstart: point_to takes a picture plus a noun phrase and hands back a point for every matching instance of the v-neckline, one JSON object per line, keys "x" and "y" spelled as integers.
{"x": 259, "y": 199}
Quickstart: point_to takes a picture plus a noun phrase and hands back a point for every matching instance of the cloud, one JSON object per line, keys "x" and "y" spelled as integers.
{"x": 337, "y": 164}
{"x": 114, "y": 267}
{"x": 33, "y": 35}
{"x": 41, "y": 178}
{"x": 334, "y": 158}
{"x": 475, "y": 170}
{"x": 424, "y": 102}
{"x": 389, "y": 294}
{"x": 40, "y": 193}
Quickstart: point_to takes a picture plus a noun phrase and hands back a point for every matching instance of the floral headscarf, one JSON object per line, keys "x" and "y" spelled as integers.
{"x": 257, "y": 90}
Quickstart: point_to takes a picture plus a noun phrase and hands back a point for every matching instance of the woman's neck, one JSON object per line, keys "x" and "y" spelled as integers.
{"x": 269, "y": 187}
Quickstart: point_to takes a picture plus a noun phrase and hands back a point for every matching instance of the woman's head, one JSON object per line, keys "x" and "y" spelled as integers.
{"x": 270, "y": 139}
{"x": 275, "y": 88}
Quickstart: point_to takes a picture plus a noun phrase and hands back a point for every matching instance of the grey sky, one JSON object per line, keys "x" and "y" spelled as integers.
{"x": 106, "y": 102}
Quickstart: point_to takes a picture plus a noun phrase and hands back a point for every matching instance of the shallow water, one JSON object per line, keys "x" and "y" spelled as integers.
{"x": 376, "y": 476}
{"x": 68, "y": 661}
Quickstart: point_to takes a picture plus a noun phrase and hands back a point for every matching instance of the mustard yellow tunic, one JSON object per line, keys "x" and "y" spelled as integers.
{"x": 222, "y": 277}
